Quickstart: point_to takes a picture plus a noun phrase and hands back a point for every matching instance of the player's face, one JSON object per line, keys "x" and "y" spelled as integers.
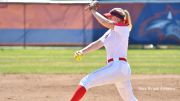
{"x": 115, "y": 19}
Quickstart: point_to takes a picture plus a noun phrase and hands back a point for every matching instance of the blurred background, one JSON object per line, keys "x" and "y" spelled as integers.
{"x": 66, "y": 23}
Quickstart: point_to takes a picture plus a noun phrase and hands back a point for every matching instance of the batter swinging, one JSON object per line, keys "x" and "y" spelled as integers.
{"x": 117, "y": 71}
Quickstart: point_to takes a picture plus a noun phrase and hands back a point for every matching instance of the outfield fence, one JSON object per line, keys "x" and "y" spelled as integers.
{"x": 56, "y": 23}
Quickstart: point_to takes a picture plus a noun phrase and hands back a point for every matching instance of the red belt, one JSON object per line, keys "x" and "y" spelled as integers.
{"x": 123, "y": 59}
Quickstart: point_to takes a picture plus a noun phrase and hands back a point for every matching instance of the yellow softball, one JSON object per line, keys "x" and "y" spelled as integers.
{"x": 78, "y": 58}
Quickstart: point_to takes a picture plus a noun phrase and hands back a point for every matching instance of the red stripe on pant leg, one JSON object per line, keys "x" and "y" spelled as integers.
{"x": 79, "y": 93}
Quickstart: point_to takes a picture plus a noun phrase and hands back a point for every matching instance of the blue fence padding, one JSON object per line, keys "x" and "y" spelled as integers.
{"x": 97, "y": 33}
{"x": 45, "y": 36}
{"x": 11, "y": 35}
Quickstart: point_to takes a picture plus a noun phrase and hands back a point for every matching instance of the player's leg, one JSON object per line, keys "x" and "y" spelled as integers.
{"x": 85, "y": 85}
{"x": 79, "y": 93}
{"x": 96, "y": 78}
{"x": 99, "y": 77}
{"x": 109, "y": 74}
{"x": 125, "y": 90}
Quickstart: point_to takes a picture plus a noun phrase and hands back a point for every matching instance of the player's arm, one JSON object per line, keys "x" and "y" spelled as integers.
{"x": 103, "y": 20}
{"x": 128, "y": 19}
{"x": 92, "y": 47}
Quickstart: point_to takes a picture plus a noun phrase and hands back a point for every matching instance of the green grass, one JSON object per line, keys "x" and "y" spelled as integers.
{"x": 61, "y": 61}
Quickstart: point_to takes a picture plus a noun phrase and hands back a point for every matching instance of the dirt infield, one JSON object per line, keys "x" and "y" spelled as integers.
{"x": 59, "y": 87}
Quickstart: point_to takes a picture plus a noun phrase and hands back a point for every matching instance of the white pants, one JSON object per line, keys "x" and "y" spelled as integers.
{"x": 116, "y": 72}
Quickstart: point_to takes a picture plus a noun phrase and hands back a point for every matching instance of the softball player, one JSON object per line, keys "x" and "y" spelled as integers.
{"x": 115, "y": 40}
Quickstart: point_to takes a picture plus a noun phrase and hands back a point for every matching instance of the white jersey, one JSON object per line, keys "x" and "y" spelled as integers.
{"x": 116, "y": 41}
{"x": 116, "y": 72}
